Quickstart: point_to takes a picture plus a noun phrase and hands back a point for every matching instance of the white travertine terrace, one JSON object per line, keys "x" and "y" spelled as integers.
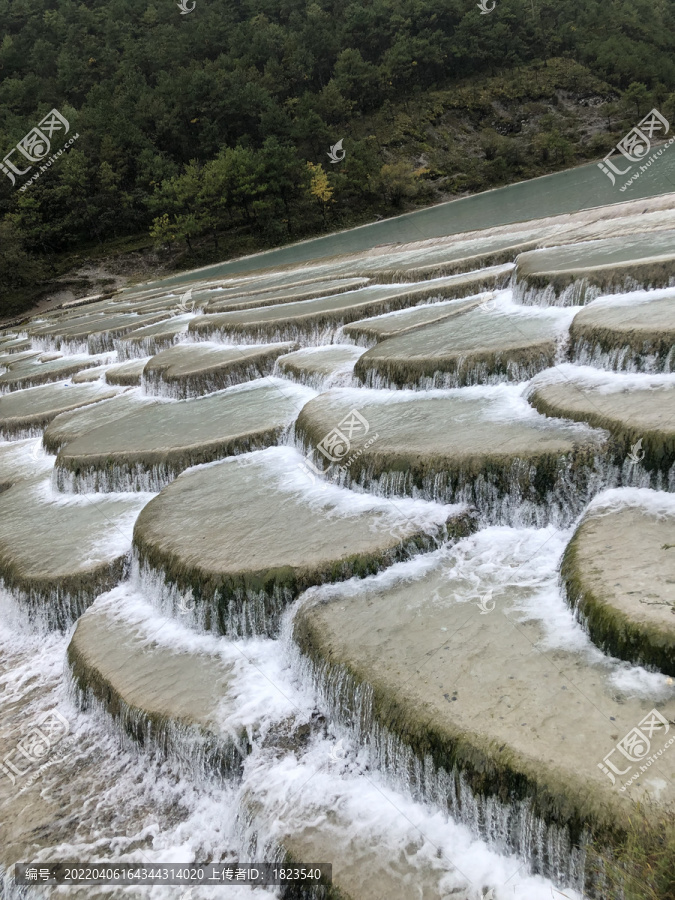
{"x": 415, "y": 502}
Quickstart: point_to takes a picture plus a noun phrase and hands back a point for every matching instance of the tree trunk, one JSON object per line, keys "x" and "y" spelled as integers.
{"x": 288, "y": 214}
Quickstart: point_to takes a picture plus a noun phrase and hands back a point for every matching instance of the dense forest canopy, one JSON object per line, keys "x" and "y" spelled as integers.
{"x": 218, "y": 122}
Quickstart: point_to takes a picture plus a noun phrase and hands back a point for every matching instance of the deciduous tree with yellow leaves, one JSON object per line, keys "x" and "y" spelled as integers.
{"x": 319, "y": 187}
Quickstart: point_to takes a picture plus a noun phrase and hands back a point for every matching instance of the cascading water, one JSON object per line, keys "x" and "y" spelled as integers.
{"x": 125, "y": 477}
{"x": 623, "y": 359}
{"x": 577, "y": 293}
{"x": 504, "y": 498}
{"x": 271, "y": 762}
{"x": 508, "y": 827}
{"x": 465, "y": 376}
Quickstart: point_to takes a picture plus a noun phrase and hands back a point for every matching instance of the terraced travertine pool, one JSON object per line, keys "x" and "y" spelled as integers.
{"x": 362, "y": 561}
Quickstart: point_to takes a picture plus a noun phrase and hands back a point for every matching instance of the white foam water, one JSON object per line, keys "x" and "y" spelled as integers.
{"x": 141, "y": 807}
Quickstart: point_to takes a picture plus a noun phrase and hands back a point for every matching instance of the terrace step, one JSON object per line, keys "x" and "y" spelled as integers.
{"x": 126, "y": 374}
{"x": 58, "y": 553}
{"x": 242, "y": 299}
{"x": 480, "y": 346}
{"x": 25, "y": 413}
{"x": 152, "y": 339}
{"x": 165, "y": 687}
{"x": 482, "y": 447}
{"x": 68, "y": 426}
{"x": 282, "y": 534}
{"x": 192, "y": 370}
{"x": 368, "y": 332}
{"x": 144, "y": 447}
{"x": 637, "y": 410}
{"x": 315, "y": 321}
{"x": 634, "y": 333}
{"x": 619, "y": 575}
{"x": 94, "y": 332}
{"x": 576, "y": 274}
{"x": 32, "y": 372}
{"x": 465, "y": 678}
{"x": 320, "y": 367}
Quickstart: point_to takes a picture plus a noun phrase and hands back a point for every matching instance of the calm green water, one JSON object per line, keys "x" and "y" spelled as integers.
{"x": 600, "y": 253}
{"x": 563, "y": 192}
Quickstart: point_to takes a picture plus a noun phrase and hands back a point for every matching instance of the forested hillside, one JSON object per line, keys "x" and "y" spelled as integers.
{"x": 207, "y": 134}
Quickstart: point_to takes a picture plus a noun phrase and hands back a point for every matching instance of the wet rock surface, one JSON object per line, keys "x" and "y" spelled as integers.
{"x": 403, "y": 660}
{"x": 152, "y": 339}
{"x": 638, "y": 413}
{"x": 477, "y": 347}
{"x": 15, "y": 344}
{"x": 314, "y": 321}
{"x": 85, "y": 376}
{"x": 320, "y": 367}
{"x": 579, "y": 273}
{"x": 268, "y": 563}
{"x": 24, "y": 413}
{"x": 164, "y": 693}
{"x": 127, "y": 374}
{"x": 635, "y": 336}
{"x": 9, "y": 360}
{"x": 191, "y": 370}
{"x": 485, "y": 449}
{"x": 94, "y": 331}
{"x": 619, "y": 575}
{"x": 32, "y": 372}
{"x": 368, "y": 332}
{"x": 81, "y": 552}
{"x": 142, "y": 447}
{"x": 303, "y": 291}
{"x": 69, "y": 425}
